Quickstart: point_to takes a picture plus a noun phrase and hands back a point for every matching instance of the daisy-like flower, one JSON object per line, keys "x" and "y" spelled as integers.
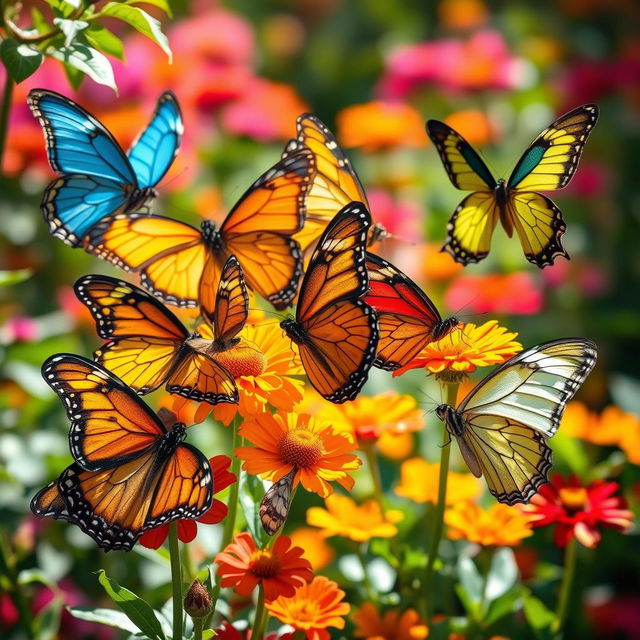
{"x": 578, "y": 510}
{"x": 280, "y": 570}
{"x": 287, "y": 441}
{"x": 468, "y": 346}
{"x": 188, "y": 529}
{"x": 500, "y": 525}
{"x": 393, "y": 625}
{"x": 343, "y": 517}
{"x": 313, "y": 608}
{"x": 316, "y": 549}
{"x": 419, "y": 482}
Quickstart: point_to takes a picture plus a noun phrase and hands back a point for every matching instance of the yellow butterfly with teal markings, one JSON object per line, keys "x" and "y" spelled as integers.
{"x": 548, "y": 164}
{"x": 502, "y": 425}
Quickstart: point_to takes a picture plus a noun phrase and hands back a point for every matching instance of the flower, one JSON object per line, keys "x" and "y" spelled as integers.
{"x": 499, "y": 525}
{"x": 393, "y": 625}
{"x": 401, "y": 217}
{"x": 188, "y": 529}
{"x": 465, "y": 348}
{"x": 419, "y": 482}
{"x": 197, "y": 602}
{"x": 286, "y": 441}
{"x": 228, "y": 632}
{"x": 463, "y": 14}
{"x": 343, "y": 517}
{"x": 438, "y": 265}
{"x": 578, "y": 510}
{"x": 472, "y": 125}
{"x": 280, "y": 570}
{"x": 313, "y": 608}
{"x": 316, "y": 549}
{"x": 377, "y": 125}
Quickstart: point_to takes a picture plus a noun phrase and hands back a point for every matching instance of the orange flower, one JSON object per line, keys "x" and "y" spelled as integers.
{"x": 463, "y": 14}
{"x": 472, "y": 125}
{"x": 499, "y": 525}
{"x": 375, "y": 125}
{"x": 343, "y": 517}
{"x": 280, "y": 570}
{"x": 313, "y": 608}
{"x": 465, "y": 348}
{"x": 393, "y": 625}
{"x": 438, "y": 265}
{"x": 419, "y": 482}
{"x": 316, "y": 549}
{"x": 286, "y": 441}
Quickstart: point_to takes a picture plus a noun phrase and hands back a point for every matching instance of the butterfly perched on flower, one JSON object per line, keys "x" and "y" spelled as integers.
{"x": 502, "y": 425}
{"x": 548, "y": 164}
{"x": 274, "y": 506}
{"x": 131, "y": 473}
{"x": 407, "y": 317}
{"x": 97, "y": 177}
{"x": 147, "y": 346}
{"x": 334, "y": 328}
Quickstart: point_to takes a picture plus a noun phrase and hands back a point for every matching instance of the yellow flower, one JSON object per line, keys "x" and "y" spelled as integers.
{"x": 316, "y": 549}
{"x": 343, "y": 517}
{"x": 465, "y": 348}
{"x": 393, "y": 625}
{"x": 419, "y": 482}
{"x": 499, "y": 525}
{"x": 577, "y": 421}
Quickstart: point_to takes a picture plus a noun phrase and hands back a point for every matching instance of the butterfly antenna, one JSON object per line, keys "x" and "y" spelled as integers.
{"x": 274, "y": 313}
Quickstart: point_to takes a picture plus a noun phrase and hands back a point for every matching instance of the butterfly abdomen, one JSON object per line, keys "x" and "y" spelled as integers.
{"x": 502, "y": 197}
{"x": 453, "y": 420}
{"x": 211, "y": 235}
{"x": 169, "y": 441}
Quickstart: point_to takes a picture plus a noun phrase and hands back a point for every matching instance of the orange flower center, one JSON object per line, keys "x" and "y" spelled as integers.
{"x": 264, "y": 564}
{"x": 573, "y": 498}
{"x": 301, "y": 449}
{"x": 243, "y": 360}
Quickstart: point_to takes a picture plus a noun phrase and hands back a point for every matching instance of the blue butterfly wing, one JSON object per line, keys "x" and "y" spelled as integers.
{"x": 77, "y": 142}
{"x": 153, "y": 152}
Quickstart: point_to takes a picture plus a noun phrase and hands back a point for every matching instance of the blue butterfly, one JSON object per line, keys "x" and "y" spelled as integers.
{"x": 98, "y": 178}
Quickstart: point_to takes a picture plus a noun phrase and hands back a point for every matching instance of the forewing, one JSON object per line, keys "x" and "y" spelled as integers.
{"x": 274, "y": 506}
{"x": 232, "y": 302}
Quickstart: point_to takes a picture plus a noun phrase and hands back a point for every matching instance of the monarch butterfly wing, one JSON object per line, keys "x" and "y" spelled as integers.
{"x": 471, "y": 226}
{"x": 109, "y": 423}
{"x": 274, "y": 506}
{"x": 232, "y": 302}
{"x": 48, "y": 503}
{"x": 406, "y": 315}
{"x": 539, "y": 225}
{"x": 465, "y": 168}
{"x": 513, "y": 458}
{"x": 201, "y": 378}
{"x": 76, "y": 141}
{"x": 155, "y": 149}
{"x": 169, "y": 255}
{"x": 533, "y": 387}
{"x": 552, "y": 158}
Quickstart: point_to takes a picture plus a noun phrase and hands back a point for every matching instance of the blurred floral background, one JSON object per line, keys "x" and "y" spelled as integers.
{"x": 374, "y": 72}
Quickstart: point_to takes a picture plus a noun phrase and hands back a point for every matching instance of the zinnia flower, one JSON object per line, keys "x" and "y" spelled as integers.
{"x": 286, "y": 441}
{"x": 393, "y": 625}
{"x": 419, "y": 482}
{"x": 465, "y": 348}
{"x": 499, "y": 525}
{"x": 316, "y": 549}
{"x": 343, "y": 517}
{"x": 188, "y": 529}
{"x": 313, "y": 608}
{"x": 578, "y": 510}
{"x": 280, "y": 570}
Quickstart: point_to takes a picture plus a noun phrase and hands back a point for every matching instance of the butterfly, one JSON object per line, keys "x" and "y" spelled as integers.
{"x": 130, "y": 473}
{"x": 548, "y": 164}
{"x": 147, "y": 346}
{"x": 335, "y": 183}
{"x": 274, "y": 506}
{"x": 181, "y": 264}
{"x": 407, "y": 318}
{"x": 97, "y": 177}
{"x": 502, "y": 425}
{"x": 335, "y": 330}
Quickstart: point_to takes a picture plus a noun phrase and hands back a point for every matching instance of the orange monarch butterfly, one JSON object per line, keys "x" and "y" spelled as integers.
{"x": 147, "y": 346}
{"x": 274, "y": 506}
{"x": 181, "y": 264}
{"x": 131, "y": 473}
{"x": 407, "y": 318}
{"x": 334, "y": 185}
{"x": 336, "y": 331}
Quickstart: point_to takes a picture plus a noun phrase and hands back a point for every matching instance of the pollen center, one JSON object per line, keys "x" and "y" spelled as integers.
{"x": 301, "y": 449}
{"x": 264, "y": 564}
{"x": 573, "y": 498}
{"x": 242, "y": 360}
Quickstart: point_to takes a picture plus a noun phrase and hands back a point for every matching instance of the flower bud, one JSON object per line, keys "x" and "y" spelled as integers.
{"x": 197, "y": 602}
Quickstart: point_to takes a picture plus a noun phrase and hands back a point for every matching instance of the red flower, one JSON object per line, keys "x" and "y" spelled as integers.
{"x": 578, "y": 510}
{"x": 188, "y": 529}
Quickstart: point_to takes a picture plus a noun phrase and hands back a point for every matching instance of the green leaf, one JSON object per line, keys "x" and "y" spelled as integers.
{"x": 88, "y": 60}
{"x": 62, "y": 8}
{"x": 470, "y": 578}
{"x": 7, "y": 278}
{"x": 20, "y": 60}
{"x": 539, "y": 617}
{"x": 101, "y": 38}
{"x": 251, "y": 492}
{"x": 503, "y": 574}
{"x": 161, "y": 4}
{"x": 108, "y": 617}
{"x": 75, "y": 77}
{"x": 504, "y": 605}
{"x": 141, "y": 21}
{"x": 39, "y": 23}
{"x": 136, "y": 609}
{"x": 28, "y": 576}
{"x": 70, "y": 28}
{"x": 47, "y": 621}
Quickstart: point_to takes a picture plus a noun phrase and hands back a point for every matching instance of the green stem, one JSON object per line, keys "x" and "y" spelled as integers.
{"x": 438, "y": 524}
{"x": 261, "y": 617}
{"x": 230, "y": 520}
{"x": 567, "y": 583}
{"x": 485, "y": 558}
{"x": 187, "y": 565}
{"x": 198, "y": 624}
{"x": 176, "y": 580}
{"x": 371, "y": 594}
{"x": 4, "y": 117}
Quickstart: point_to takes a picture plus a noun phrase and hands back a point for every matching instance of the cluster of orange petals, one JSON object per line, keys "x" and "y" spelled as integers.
{"x": 392, "y": 625}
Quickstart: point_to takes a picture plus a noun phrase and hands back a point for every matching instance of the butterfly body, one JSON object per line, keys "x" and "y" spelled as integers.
{"x": 212, "y": 237}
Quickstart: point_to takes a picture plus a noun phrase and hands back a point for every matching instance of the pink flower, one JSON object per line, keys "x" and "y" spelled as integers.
{"x": 400, "y": 218}
{"x": 587, "y": 276}
{"x": 19, "y": 329}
